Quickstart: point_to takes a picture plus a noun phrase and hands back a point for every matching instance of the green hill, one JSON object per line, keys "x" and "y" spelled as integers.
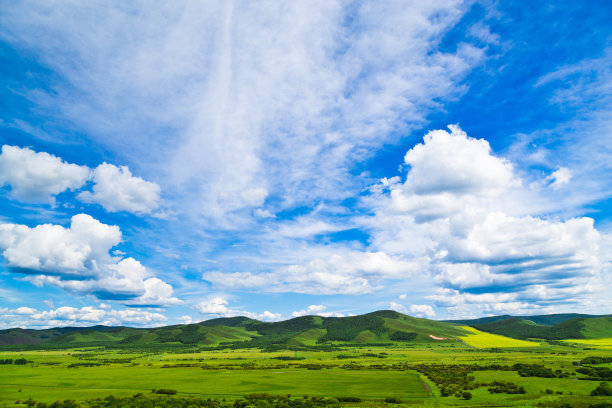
{"x": 544, "y": 320}
{"x": 239, "y": 332}
{"x": 577, "y": 328}
{"x": 382, "y": 327}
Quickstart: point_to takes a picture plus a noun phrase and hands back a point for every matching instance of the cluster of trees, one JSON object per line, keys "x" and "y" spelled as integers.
{"x": 77, "y": 365}
{"x": 522, "y": 329}
{"x": 503, "y": 387}
{"x": 263, "y": 400}
{"x": 68, "y": 403}
{"x": 538, "y": 370}
{"x": 602, "y": 390}
{"x": 596, "y": 360}
{"x": 190, "y": 334}
{"x": 346, "y": 329}
{"x": 596, "y": 373}
{"x": 403, "y": 336}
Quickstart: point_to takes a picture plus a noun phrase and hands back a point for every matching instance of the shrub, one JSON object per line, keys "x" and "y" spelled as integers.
{"x": 602, "y": 390}
{"x": 166, "y": 391}
{"x": 466, "y": 395}
{"x": 393, "y": 400}
{"x": 348, "y": 399}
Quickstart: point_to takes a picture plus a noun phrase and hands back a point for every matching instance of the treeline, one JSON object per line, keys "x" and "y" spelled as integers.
{"x": 503, "y": 387}
{"x": 596, "y": 373}
{"x": 596, "y": 360}
{"x": 538, "y": 370}
{"x": 19, "y": 361}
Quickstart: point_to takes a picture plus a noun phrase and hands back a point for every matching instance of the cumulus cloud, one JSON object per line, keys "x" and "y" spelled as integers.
{"x": 73, "y": 316}
{"x": 38, "y": 177}
{"x": 458, "y": 164}
{"x": 422, "y": 311}
{"x": 425, "y": 311}
{"x": 465, "y": 212}
{"x": 398, "y": 307}
{"x": 218, "y": 307}
{"x": 77, "y": 259}
{"x": 310, "y": 310}
{"x": 116, "y": 189}
{"x": 51, "y": 248}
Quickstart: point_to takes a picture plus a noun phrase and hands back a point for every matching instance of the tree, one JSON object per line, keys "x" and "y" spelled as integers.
{"x": 602, "y": 390}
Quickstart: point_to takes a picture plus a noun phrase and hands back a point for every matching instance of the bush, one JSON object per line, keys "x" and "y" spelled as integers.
{"x": 602, "y": 390}
{"x": 348, "y": 399}
{"x": 466, "y": 395}
{"x": 165, "y": 391}
{"x": 393, "y": 400}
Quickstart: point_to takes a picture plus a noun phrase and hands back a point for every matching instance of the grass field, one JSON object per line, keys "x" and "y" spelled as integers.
{"x": 481, "y": 339}
{"x": 369, "y": 373}
{"x": 52, "y": 383}
{"x": 598, "y": 343}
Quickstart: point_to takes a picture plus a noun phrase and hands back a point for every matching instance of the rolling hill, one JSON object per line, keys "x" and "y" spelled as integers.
{"x": 386, "y": 326}
{"x": 382, "y": 327}
{"x": 576, "y": 328}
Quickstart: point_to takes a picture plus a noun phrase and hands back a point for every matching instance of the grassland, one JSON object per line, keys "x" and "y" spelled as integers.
{"x": 605, "y": 344}
{"x": 371, "y": 374}
{"x": 480, "y": 339}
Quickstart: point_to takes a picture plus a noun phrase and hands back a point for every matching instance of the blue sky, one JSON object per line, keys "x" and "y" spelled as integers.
{"x": 166, "y": 163}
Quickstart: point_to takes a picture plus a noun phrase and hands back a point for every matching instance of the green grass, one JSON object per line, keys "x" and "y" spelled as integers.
{"x": 52, "y": 383}
{"x": 371, "y": 373}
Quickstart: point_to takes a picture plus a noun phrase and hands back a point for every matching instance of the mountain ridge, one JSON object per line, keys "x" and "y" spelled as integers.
{"x": 380, "y": 327}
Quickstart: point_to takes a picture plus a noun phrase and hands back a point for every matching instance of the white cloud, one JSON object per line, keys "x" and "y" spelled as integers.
{"x": 560, "y": 177}
{"x": 310, "y": 310}
{"x": 215, "y": 305}
{"x": 116, "y": 189}
{"x": 218, "y": 306}
{"x": 77, "y": 250}
{"x": 37, "y": 177}
{"x": 422, "y": 311}
{"x": 77, "y": 259}
{"x": 457, "y": 164}
{"x": 398, "y": 307}
{"x": 72, "y": 316}
{"x": 261, "y": 213}
{"x": 186, "y": 319}
{"x": 216, "y": 96}
{"x": 25, "y": 310}
{"x": 254, "y": 197}
{"x": 465, "y": 213}
{"x": 157, "y": 293}
{"x": 345, "y": 272}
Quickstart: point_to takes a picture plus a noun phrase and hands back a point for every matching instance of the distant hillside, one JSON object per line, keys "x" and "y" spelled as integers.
{"x": 544, "y": 320}
{"x": 576, "y": 328}
{"x": 380, "y": 327}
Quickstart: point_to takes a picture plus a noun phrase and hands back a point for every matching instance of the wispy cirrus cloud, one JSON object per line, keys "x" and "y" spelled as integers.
{"x": 237, "y": 98}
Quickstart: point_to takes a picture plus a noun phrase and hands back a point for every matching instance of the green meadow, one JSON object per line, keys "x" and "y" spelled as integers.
{"x": 371, "y": 376}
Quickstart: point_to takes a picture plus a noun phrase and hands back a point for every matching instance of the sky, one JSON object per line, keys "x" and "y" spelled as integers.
{"x": 172, "y": 162}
